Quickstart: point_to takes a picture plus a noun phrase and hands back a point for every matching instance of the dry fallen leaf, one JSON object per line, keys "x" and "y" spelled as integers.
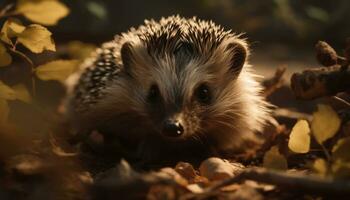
{"x": 57, "y": 70}
{"x": 121, "y": 174}
{"x": 5, "y": 58}
{"x": 85, "y": 177}
{"x": 57, "y": 150}
{"x": 273, "y": 159}
{"x": 325, "y": 123}
{"x": 27, "y": 164}
{"x": 43, "y": 12}
{"x": 186, "y": 170}
{"x": 170, "y": 173}
{"x": 37, "y": 39}
{"x": 299, "y": 138}
{"x": 195, "y": 188}
{"x": 218, "y": 169}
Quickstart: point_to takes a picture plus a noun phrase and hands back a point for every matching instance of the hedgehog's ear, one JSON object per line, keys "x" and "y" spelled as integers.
{"x": 126, "y": 53}
{"x": 238, "y": 54}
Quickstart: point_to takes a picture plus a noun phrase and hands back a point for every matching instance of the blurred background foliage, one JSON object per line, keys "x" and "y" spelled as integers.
{"x": 291, "y": 22}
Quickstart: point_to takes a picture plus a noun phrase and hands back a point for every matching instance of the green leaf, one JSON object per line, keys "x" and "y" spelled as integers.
{"x": 5, "y": 58}
{"x": 320, "y": 166}
{"x": 274, "y": 160}
{"x": 341, "y": 150}
{"x": 299, "y": 139}
{"x": 57, "y": 70}
{"x": 11, "y": 28}
{"x": 325, "y": 123}
{"x": 37, "y": 39}
{"x": 22, "y": 93}
{"x": 4, "y": 111}
{"x": 6, "y": 92}
{"x": 46, "y": 12}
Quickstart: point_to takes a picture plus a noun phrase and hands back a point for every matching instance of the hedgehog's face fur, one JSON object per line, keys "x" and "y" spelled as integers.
{"x": 182, "y": 86}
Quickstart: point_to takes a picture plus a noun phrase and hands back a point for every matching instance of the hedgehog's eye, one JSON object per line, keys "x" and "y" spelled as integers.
{"x": 153, "y": 93}
{"x": 203, "y": 94}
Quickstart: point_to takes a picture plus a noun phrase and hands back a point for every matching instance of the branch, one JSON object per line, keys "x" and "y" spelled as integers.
{"x": 319, "y": 82}
{"x": 310, "y": 184}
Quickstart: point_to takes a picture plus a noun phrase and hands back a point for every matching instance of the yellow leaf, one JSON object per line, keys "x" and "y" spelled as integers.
{"x": 320, "y": 166}
{"x": 22, "y": 93}
{"x": 4, "y": 33}
{"x": 5, "y": 58}
{"x": 80, "y": 50}
{"x": 37, "y": 39}
{"x": 6, "y": 92}
{"x": 43, "y": 12}
{"x": 299, "y": 138}
{"x": 10, "y": 29}
{"x": 57, "y": 70}
{"x": 274, "y": 160}
{"x": 15, "y": 27}
{"x": 341, "y": 150}
{"x": 4, "y": 111}
{"x": 325, "y": 123}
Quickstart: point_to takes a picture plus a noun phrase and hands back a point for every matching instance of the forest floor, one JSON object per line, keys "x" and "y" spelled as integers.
{"x": 45, "y": 166}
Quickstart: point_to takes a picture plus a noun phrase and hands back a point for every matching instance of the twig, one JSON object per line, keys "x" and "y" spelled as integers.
{"x": 311, "y": 184}
{"x": 23, "y": 56}
{"x": 342, "y": 100}
{"x": 3, "y": 12}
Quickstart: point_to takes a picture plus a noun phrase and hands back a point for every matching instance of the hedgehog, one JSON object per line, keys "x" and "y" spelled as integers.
{"x": 173, "y": 87}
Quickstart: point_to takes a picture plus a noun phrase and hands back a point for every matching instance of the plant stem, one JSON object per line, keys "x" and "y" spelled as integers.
{"x": 328, "y": 156}
{"x": 32, "y": 66}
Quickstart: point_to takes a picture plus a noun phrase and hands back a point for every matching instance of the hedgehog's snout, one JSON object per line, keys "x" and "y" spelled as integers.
{"x": 172, "y": 128}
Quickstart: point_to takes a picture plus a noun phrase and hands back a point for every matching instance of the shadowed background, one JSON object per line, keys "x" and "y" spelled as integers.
{"x": 281, "y": 32}
{"x": 279, "y": 21}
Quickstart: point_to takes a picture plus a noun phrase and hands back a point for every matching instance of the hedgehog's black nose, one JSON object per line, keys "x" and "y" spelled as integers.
{"x": 172, "y": 128}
